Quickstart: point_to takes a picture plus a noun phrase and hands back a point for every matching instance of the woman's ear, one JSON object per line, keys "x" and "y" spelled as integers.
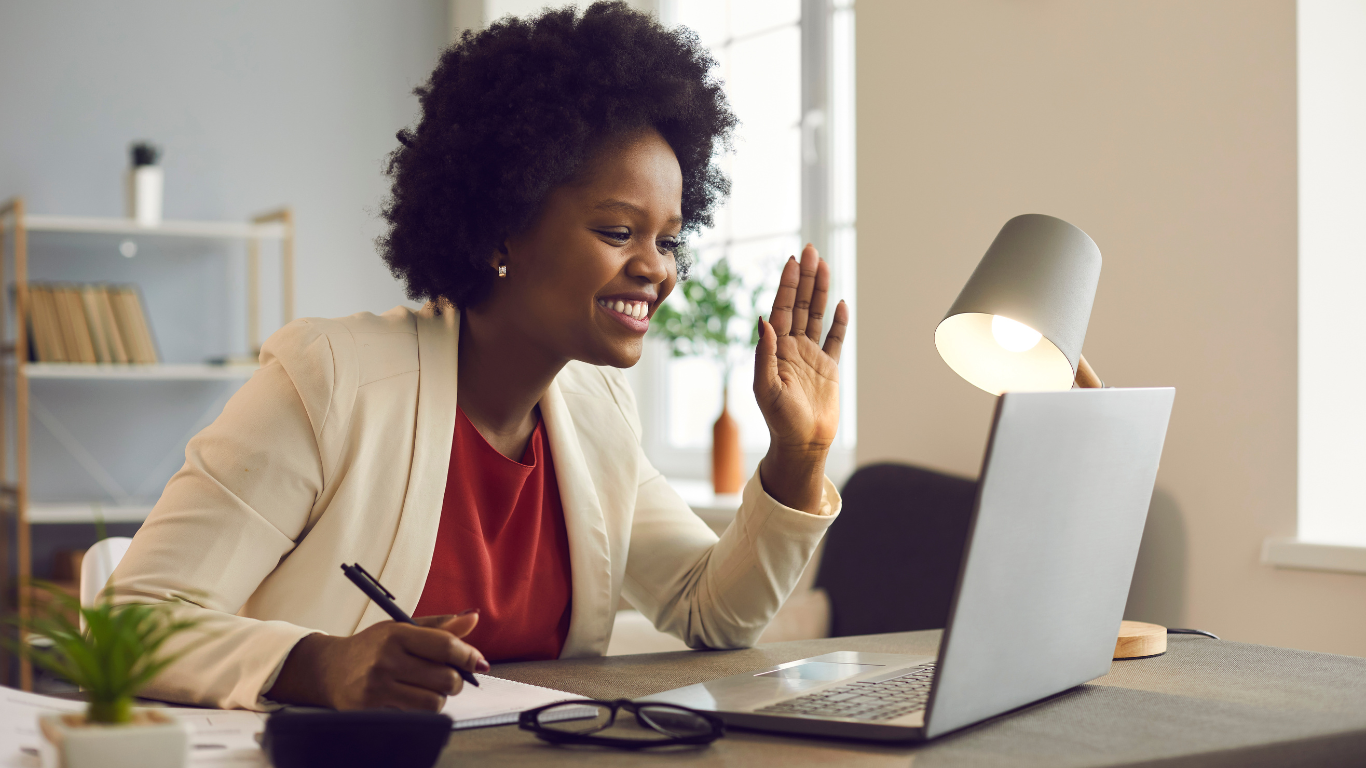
{"x": 498, "y": 260}
{"x": 499, "y": 256}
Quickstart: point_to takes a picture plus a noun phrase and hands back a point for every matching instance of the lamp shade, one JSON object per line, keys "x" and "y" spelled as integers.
{"x": 1020, "y": 321}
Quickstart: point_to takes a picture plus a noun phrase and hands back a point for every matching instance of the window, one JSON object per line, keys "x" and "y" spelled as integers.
{"x": 787, "y": 66}
{"x": 1332, "y": 271}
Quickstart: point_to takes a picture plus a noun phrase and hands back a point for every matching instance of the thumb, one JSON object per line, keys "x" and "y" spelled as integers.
{"x": 766, "y": 360}
{"x": 459, "y": 624}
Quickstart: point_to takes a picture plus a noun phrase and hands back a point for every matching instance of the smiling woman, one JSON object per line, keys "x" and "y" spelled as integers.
{"x": 483, "y": 456}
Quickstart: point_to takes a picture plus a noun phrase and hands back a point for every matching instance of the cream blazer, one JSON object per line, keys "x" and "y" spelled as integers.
{"x": 336, "y": 451}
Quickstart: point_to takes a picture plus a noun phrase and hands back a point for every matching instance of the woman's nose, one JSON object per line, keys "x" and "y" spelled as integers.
{"x": 648, "y": 263}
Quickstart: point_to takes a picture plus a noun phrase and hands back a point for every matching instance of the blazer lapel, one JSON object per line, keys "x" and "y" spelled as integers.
{"x": 410, "y": 557}
{"x": 591, "y": 617}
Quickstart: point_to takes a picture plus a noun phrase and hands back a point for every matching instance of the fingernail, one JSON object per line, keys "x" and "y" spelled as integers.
{"x": 481, "y": 666}
{"x": 466, "y": 613}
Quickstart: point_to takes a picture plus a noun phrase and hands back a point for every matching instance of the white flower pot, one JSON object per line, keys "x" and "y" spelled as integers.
{"x": 153, "y": 740}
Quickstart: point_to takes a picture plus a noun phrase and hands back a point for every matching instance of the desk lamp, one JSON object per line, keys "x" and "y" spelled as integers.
{"x": 1020, "y": 321}
{"x": 1018, "y": 325}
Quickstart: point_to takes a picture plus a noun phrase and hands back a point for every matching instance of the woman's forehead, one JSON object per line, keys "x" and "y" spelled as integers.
{"x": 641, "y": 168}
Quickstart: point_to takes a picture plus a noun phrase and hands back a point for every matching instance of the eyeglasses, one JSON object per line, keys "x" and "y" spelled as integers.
{"x": 657, "y": 725}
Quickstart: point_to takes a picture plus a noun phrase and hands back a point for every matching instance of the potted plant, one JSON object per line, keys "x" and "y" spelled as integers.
{"x": 707, "y": 316}
{"x": 120, "y": 650}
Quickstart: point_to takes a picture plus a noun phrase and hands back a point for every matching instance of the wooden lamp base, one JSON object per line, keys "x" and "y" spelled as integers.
{"x": 1139, "y": 640}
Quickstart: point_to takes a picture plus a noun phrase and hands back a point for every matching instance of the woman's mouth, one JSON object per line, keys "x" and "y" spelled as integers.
{"x": 633, "y": 314}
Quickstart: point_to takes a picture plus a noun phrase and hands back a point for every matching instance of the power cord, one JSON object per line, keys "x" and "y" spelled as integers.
{"x": 1173, "y": 631}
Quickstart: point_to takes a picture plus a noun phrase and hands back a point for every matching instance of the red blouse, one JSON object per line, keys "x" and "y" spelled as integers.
{"x": 502, "y": 547}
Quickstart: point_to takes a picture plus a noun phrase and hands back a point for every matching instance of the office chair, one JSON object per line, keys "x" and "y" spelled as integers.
{"x": 891, "y": 558}
{"x": 98, "y": 565}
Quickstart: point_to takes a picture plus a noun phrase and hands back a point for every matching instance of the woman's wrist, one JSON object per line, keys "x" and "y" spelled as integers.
{"x": 302, "y": 677}
{"x": 794, "y": 478}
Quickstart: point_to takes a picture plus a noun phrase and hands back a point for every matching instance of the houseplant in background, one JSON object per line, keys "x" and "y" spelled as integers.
{"x": 713, "y": 315}
{"x": 121, "y": 649}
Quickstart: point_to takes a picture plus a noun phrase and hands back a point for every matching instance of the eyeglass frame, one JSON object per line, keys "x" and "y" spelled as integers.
{"x": 528, "y": 721}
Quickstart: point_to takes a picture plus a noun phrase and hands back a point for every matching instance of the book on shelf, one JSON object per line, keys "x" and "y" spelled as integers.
{"x": 88, "y": 323}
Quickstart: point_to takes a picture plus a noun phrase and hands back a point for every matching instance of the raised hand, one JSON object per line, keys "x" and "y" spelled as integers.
{"x": 796, "y": 382}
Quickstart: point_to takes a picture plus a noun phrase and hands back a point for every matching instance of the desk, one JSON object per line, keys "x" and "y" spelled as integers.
{"x": 1205, "y": 703}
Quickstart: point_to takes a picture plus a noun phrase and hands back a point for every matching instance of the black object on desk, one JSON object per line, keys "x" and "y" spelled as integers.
{"x": 363, "y": 738}
{"x": 385, "y": 599}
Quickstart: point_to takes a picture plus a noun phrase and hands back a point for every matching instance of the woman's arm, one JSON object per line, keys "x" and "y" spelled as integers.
{"x": 223, "y": 523}
{"x": 718, "y": 593}
{"x": 721, "y": 593}
{"x": 796, "y": 382}
{"x": 247, "y": 495}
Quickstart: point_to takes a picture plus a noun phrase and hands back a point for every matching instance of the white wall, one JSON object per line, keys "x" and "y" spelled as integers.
{"x": 1166, "y": 129}
{"x": 257, "y": 104}
{"x": 476, "y": 14}
{"x": 1332, "y": 336}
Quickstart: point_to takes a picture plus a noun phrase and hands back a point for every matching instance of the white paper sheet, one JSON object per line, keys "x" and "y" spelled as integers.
{"x": 218, "y": 737}
{"x": 498, "y": 702}
{"x": 228, "y": 737}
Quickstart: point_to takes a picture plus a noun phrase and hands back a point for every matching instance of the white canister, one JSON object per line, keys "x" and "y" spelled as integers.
{"x": 144, "y": 194}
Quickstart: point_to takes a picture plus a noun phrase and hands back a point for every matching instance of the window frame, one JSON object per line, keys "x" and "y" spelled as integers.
{"x": 820, "y": 225}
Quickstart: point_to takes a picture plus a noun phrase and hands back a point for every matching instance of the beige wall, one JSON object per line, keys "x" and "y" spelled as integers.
{"x": 1166, "y": 130}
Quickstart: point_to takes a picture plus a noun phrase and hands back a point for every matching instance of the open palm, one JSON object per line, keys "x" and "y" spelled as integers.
{"x": 796, "y": 379}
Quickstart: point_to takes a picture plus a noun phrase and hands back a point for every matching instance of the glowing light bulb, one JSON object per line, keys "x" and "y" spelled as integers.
{"x": 1014, "y": 335}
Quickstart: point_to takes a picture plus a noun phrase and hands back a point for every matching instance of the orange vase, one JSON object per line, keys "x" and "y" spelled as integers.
{"x": 727, "y": 461}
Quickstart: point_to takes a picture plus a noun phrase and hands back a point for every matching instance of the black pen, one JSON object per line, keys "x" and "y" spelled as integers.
{"x": 376, "y": 591}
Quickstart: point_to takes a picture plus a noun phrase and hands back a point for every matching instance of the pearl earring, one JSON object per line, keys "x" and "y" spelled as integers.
{"x": 502, "y": 270}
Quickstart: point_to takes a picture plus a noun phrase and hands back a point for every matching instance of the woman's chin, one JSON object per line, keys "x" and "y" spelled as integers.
{"x": 619, "y": 353}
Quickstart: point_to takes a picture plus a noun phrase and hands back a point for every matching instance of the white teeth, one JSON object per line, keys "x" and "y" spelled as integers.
{"x": 633, "y": 309}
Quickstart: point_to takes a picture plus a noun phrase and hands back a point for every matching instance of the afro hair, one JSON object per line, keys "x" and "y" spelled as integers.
{"x": 517, "y": 109}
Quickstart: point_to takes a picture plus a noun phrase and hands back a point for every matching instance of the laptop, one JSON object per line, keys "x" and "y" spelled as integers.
{"x": 1063, "y": 496}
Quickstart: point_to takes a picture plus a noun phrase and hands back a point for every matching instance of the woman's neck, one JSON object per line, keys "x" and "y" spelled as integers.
{"x": 500, "y": 380}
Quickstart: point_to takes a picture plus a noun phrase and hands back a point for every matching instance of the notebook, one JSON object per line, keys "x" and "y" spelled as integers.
{"x": 498, "y": 702}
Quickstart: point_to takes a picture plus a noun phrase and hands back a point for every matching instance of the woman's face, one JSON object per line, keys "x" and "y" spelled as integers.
{"x": 583, "y": 281}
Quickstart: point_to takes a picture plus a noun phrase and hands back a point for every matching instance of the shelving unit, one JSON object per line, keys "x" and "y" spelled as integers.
{"x": 15, "y": 505}
{"x": 159, "y": 371}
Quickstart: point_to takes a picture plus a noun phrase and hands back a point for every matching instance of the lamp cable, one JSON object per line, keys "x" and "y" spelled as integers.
{"x": 1175, "y": 631}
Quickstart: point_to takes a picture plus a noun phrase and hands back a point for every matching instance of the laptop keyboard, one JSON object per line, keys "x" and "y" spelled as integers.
{"x": 863, "y": 700}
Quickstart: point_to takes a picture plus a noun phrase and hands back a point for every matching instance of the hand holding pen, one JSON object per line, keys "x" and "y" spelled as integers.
{"x": 408, "y": 665}
{"x": 385, "y": 599}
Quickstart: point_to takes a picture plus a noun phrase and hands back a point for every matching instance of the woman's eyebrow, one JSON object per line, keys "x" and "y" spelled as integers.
{"x": 622, "y": 206}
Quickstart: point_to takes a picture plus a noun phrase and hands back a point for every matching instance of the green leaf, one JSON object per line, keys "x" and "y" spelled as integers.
{"x": 709, "y": 315}
{"x": 120, "y": 651}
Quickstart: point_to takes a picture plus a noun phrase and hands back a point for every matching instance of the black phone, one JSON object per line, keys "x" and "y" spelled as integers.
{"x": 369, "y": 737}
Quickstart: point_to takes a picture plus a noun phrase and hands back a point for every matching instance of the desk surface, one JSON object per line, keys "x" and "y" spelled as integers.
{"x": 1206, "y": 702}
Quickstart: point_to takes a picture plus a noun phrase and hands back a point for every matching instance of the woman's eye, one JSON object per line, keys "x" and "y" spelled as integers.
{"x": 618, "y": 235}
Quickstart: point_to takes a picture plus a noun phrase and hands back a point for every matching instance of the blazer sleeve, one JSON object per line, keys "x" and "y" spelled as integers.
{"x": 244, "y": 496}
{"x": 715, "y": 592}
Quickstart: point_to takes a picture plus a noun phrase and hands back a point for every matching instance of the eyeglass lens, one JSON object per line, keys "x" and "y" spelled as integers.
{"x": 575, "y": 718}
{"x": 675, "y": 722}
